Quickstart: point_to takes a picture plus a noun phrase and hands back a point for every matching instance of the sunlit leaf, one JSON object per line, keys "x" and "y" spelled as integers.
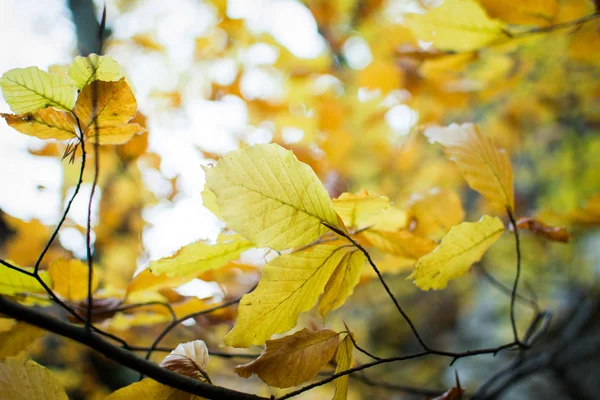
{"x": 14, "y": 282}
{"x": 209, "y": 200}
{"x": 148, "y": 281}
{"x": 290, "y": 284}
{"x": 532, "y": 12}
{"x": 18, "y": 338}
{"x": 341, "y": 284}
{"x": 200, "y": 256}
{"x": 485, "y": 168}
{"x": 462, "y": 246}
{"x": 84, "y": 70}
{"x": 432, "y": 214}
{"x": 293, "y": 359}
{"x": 26, "y": 379}
{"x": 70, "y": 279}
{"x": 357, "y": 209}
{"x": 30, "y": 89}
{"x": 271, "y": 198}
{"x": 46, "y": 123}
{"x": 458, "y": 25}
{"x": 344, "y": 361}
{"x": 400, "y": 243}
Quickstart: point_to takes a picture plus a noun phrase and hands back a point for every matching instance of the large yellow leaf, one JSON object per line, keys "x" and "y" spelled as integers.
{"x": 268, "y": 196}
{"x": 13, "y": 282}
{"x": 46, "y": 123}
{"x": 70, "y": 279}
{"x": 530, "y": 12}
{"x": 200, "y": 256}
{"x": 344, "y": 361}
{"x": 30, "y": 89}
{"x": 293, "y": 359}
{"x": 146, "y": 281}
{"x": 19, "y": 338}
{"x": 6, "y": 324}
{"x": 356, "y": 209}
{"x": 401, "y": 243}
{"x": 485, "y": 168}
{"x": 462, "y": 246}
{"x": 107, "y": 106}
{"x": 433, "y": 213}
{"x": 457, "y": 25}
{"x": 149, "y": 389}
{"x": 341, "y": 284}
{"x": 290, "y": 284}
{"x": 26, "y": 379}
{"x": 84, "y": 70}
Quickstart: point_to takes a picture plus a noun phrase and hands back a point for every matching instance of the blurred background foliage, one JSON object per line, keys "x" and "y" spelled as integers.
{"x": 347, "y": 86}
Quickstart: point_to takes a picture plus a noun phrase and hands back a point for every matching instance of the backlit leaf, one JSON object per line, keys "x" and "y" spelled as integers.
{"x": 46, "y": 123}
{"x": 290, "y": 284}
{"x": 200, "y": 256}
{"x": 209, "y": 200}
{"x": 30, "y": 89}
{"x": 18, "y": 338}
{"x": 485, "y": 168}
{"x": 148, "y": 281}
{"x": 70, "y": 278}
{"x": 401, "y": 243}
{"x": 344, "y": 361}
{"x": 462, "y": 246}
{"x": 13, "y": 282}
{"x": 84, "y": 70}
{"x": 457, "y": 25}
{"x": 356, "y": 209}
{"x": 270, "y": 197}
{"x": 531, "y": 12}
{"x": 432, "y": 214}
{"x": 341, "y": 284}
{"x": 293, "y": 359}
{"x": 26, "y": 379}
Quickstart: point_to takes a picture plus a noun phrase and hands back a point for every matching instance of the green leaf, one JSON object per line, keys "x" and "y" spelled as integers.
{"x": 84, "y": 70}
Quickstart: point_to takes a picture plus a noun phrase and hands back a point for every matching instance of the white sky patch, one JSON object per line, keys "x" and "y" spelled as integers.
{"x": 262, "y": 83}
{"x": 357, "y": 52}
{"x": 401, "y": 119}
{"x": 74, "y": 240}
{"x": 200, "y": 289}
{"x": 291, "y": 134}
{"x": 79, "y": 209}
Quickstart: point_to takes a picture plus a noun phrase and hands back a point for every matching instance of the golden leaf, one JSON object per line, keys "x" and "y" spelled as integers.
{"x": 457, "y": 25}
{"x": 293, "y": 359}
{"x": 290, "y": 284}
{"x": 70, "y": 279}
{"x": 268, "y": 196}
{"x": 435, "y": 212}
{"x": 30, "y": 89}
{"x": 148, "y": 389}
{"x": 462, "y": 246}
{"x": 531, "y": 12}
{"x": 485, "y": 168}
{"x": 46, "y": 123}
{"x": 342, "y": 282}
{"x": 344, "y": 361}
{"x": 401, "y": 243}
{"x": 357, "y": 209}
{"x": 26, "y": 379}
{"x": 18, "y": 339}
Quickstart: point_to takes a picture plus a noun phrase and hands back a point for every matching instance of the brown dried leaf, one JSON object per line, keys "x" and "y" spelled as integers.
{"x": 554, "y": 233}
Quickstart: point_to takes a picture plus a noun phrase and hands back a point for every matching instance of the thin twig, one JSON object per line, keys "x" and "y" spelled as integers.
{"x": 513, "y": 295}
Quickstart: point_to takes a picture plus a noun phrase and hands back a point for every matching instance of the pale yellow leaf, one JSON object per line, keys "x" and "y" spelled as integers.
{"x": 70, "y": 279}
{"x": 115, "y": 134}
{"x": 200, "y": 256}
{"x": 46, "y": 123}
{"x": 290, "y": 284}
{"x": 485, "y": 168}
{"x": 293, "y": 359}
{"x": 270, "y": 197}
{"x": 344, "y": 361}
{"x": 401, "y": 243}
{"x": 26, "y": 379}
{"x": 148, "y": 389}
{"x": 19, "y": 338}
{"x": 30, "y": 89}
{"x": 146, "y": 281}
{"x": 456, "y": 25}
{"x": 357, "y": 209}
{"x": 14, "y": 282}
{"x": 433, "y": 213}
{"x": 462, "y": 246}
{"x": 84, "y": 70}
{"x": 341, "y": 284}
{"x": 209, "y": 200}
{"x": 390, "y": 219}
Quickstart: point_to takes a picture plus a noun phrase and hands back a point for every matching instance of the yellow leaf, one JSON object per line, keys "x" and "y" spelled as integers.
{"x": 457, "y": 25}
{"x": 200, "y": 256}
{"x": 30, "y": 89}
{"x": 19, "y": 338}
{"x": 148, "y": 389}
{"x": 344, "y": 361}
{"x": 270, "y": 197}
{"x": 13, "y": 282}
{"x": 6, "y": 324}
{"x": 209, "y": 200}
{"x": 531, "y": 12}
{"x": 382, "y": 75}
{"x": 147, "y": 281}
{"x": 290, "y": 284}
{"x": 485, "y": 168}
{"x": 106, "y": 105}
{"x": 341, "y": 284}
{"x": 391, "y": 219}
{"x": 401, "y": 243}
{"x": 432, "y": 214}
{"x": 357, "y": 209}
{"x": 115, "y": 134}
{"x": 26, "y": 379}
{"x": 46, "y": 123}
{"x": 84, "y": 70}
{"x": 70, "y": 278}
{"x": 462, "y": 246}
{"x": 293, "y": 359}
